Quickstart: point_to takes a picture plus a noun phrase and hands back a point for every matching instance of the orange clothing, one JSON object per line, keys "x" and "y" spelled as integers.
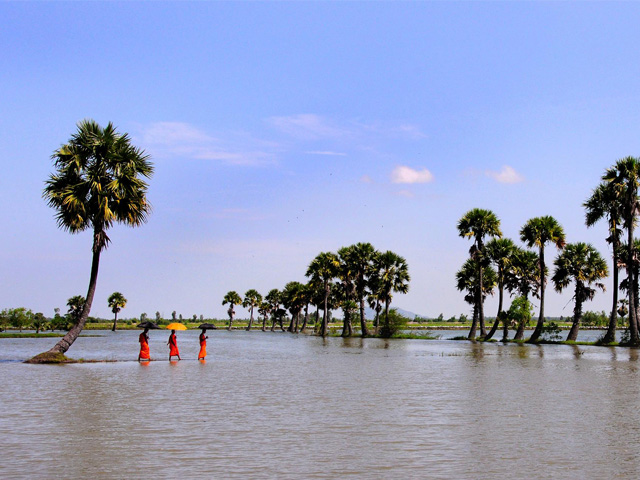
{"x": 203, "y": 347}
{"x": 173, "y": 346}
{"x": 144, "y": 347}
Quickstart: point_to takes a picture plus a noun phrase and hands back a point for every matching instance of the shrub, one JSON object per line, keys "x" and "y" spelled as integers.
{"x": 393, "y": 324}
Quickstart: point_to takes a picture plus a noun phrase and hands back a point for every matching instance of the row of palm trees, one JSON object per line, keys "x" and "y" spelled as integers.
{"x": 524, "y": 272}
{"x": 348, "y": 280}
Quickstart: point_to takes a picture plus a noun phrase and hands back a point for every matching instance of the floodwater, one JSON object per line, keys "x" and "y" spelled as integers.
{"x": 277, "y": 405}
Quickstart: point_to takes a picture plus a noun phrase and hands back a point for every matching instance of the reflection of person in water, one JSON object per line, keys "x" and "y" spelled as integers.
{"x": 203, "y": 345}
{"x": 173, "y": 346}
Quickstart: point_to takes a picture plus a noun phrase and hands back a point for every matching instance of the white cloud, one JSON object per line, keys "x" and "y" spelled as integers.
{"x": 506, "y": 175}
{"x": 306, "y": 126}
{"x": 176, "y": 139}
{"x": 403, "y": 174}
{"x": 366, "y": 179}
{"x": 405, "y": 193}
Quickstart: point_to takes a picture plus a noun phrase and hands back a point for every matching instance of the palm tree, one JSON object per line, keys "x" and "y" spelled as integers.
{"x": 392, "y": 275}
{"x": 274, "y": 298}
{"x": 293, "y": 300}
{"x": 582, "y": 264}
{"x": 524, "y": 280}
{"x": 635, "y": 269}
{"x": 478, "y": 223}
{"x": 99, "y": 181}
{"x": 500, "y": 251}
{"x": 467, "y": 279}
{"x": 624, "y": 178}
{"x": 604, "y": 203}
{"x": 264, "y": 310}
{"x": 537, "y": 232}
{"x": 116, "y": 302}
{"x": 360, "y": 259}
{"x": 324, "y": 268}
{"x": 232, "y": 298}
{"x": 252, "y": 299}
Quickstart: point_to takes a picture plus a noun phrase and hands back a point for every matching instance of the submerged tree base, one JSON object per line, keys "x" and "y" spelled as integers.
{"x": 50, "y": 357}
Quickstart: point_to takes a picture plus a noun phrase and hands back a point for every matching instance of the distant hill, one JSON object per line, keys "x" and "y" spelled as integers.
{"x": 371, "y": 313}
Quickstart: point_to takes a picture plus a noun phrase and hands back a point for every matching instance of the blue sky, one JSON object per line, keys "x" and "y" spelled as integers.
{"x": 282, "y": 129}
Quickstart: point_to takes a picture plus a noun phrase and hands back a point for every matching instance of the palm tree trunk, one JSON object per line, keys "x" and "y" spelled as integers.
{"x": 250, "y": 320}
{"x": 264, "y": 322}
{"x": 363, "y": 320}
{"x": 633, "y": 314}
{"x": 115, "y": 322}
{"x": 306, "y": 318}
{"x": 494, "y": 328}
{"x": 480, "y": 294}
{"x": 505, "y": 327}
{"x": 474, "y": 323}
{"x": 577, "y": 314}
{"x": 538, "y": 331}
{"x": 65, "y": 342}
{"x": 323, "y": 329}
{"x": 610, "y": 336}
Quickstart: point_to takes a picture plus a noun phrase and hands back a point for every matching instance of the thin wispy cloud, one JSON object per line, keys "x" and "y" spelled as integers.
{"x": 404, "y": 174}
{"x": 506, "y": 175}
{"x": 307, "y": 126}
{"x": 366, "y": 179}
{"x": 405, "y": 193}
{"x": 177, "y": 139}
{"x": 326, "y": 152}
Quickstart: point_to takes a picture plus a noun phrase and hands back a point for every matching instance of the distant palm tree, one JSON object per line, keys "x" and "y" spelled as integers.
{"x": 523, "y": 280}
{"x": 293, "y": 300}
{"x": 116, "y": 302}
{"x": 252, "y": 299}
{"x": 477, "y": 224}
{"x": 468, "y": 280}
{"x": 99, "y": 181}
{"x": 537, "y": 232}
{"x": 76, "y": 305}
{"x": 624, "y": 178}
{"x": 582, "y": 264}
{"x": 604, "y": 203}
{"x": 232, "y": 298}
{"x": 392, "y": 275}
{"x": 500, "y": 251}
{"x": 274, "y": 299}
{"x": 324, "y": 268}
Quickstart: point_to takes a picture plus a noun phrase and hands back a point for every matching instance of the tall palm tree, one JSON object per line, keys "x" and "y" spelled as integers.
{"x": 360, "y": 259}
{"x": 582, "y": 264}
{"x": 524, "y": 280}
{"x": 467, "y": 280}
{"x": 537, "y": 232}
{"x": 624, "y": 178}
{"x": 392, "y": 276}
{"x": 99, "y": 180}
{"x": 478, "y": 223}
{"x": 604, "y": 203}
{"x": 232, "y": 298}
{"x": 252, "y": 299}
{"x": 324, "y": 268}
{"x": 635, "y": 268}
{"x": 274, "y": 299}
{"x": 116, "y": 302}
{"x": 500, "y": 251}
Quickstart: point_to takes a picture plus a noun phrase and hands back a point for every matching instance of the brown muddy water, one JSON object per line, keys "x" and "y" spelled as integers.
{"x": 276, "y": 405}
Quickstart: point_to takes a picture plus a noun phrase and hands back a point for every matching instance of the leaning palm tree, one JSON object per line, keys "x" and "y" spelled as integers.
{"x": 323, "y": 269}
{"x": 537, "y": 232}
{"x": 478, "y": 223}
{"x": 232, "y": 298}
{"x": 624, "y": 178}
{"x": 500, "y": 251}
{"x": 252, "y": 299}
{"x": 467, "y": 280}
{"x": 99, "y": 180}
{"x": 604, "y": 203}
{"x": 392, "y": 274}
{"x": 116, "y": 302}
{"x": 582, "y": 264}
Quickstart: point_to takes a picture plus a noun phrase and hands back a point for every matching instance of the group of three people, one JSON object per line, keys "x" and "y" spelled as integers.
{"x": 173, "y": 346}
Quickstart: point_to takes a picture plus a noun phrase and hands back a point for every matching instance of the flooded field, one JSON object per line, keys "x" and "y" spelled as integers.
{"x": 276, "y": 405}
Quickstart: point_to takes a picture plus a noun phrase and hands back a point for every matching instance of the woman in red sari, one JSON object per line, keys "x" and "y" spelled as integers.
{"x": 203, "y": 345}
{"x": 173, "y": 346}
{"x": 144, "y": 346}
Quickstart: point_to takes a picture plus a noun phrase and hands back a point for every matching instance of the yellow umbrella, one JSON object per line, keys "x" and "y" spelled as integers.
{"x": 176, "y": 326}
